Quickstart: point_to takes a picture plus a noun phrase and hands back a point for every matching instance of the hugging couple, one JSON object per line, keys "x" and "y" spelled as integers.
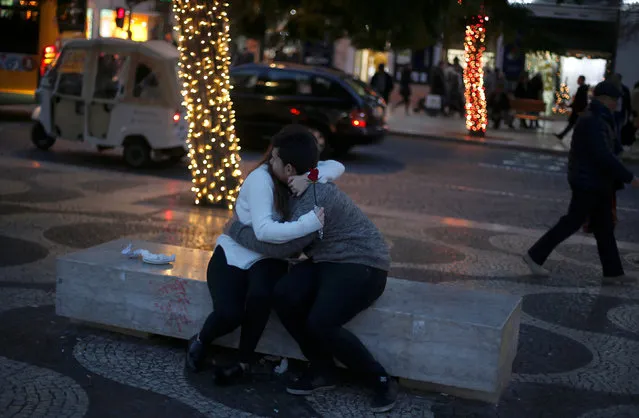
{"x": 345, "y": 272}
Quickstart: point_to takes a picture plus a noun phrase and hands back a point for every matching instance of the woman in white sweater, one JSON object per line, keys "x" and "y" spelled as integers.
{"x": 241, "y": 281}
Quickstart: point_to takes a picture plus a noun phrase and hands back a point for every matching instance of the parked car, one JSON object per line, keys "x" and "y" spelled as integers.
{"x": 340, "y": 110}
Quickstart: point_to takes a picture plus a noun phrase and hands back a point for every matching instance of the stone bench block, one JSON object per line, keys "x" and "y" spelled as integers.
{"x": 454, "y": 341}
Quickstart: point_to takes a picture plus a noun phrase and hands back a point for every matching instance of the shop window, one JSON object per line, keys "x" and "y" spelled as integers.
{"x": 146, "y": 83}
{"x": 70, "y": 72}
{"x": 285, "y": 83}
{"x": 140, "y": 24}
{"x": 244, "y": 81}
{"x": 110, "y": 76}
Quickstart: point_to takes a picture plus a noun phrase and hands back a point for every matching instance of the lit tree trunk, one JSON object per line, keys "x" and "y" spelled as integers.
{"x": 213, "y": 148}
{"x": 475, "y": 95}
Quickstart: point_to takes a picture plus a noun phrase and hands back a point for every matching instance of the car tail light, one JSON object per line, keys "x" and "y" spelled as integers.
{"x": 48, "y": 55}
{"x": 358, "y": 119}
{"x": 294, "y": 111}
{"x": 176, "y": 117}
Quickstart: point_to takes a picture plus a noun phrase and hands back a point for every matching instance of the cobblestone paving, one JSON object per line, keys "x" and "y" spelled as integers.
{"x": 30, "y": 391}
{"x": 578, "y": 341}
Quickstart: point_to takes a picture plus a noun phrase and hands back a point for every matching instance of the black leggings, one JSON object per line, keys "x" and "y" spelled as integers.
{"x": 405, "y": 101}
{"x": 315, "y": 300}
{"x": 240, "y": 298}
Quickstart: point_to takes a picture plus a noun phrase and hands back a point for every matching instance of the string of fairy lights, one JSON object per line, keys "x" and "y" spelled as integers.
{"x": 474, "y": 47}
{"x": 203, "y": 69}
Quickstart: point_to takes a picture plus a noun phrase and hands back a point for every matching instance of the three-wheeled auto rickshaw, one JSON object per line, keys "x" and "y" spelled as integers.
{"x": 114, "y": 93}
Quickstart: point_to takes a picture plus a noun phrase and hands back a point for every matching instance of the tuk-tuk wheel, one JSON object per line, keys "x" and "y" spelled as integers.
{"x": 40, "y": 138}
{"x": 137, "y": 152}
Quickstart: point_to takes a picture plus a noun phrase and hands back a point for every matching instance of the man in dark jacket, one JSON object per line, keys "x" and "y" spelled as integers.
{"x": 382, "y": 82}
{"x": 579, "y": 104}
{"x": 594, "y": 172}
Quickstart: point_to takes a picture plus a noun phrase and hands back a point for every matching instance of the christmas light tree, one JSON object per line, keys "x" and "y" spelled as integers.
{"x": 204, "y": 64}
{"x": 562, "y": 100}
{"x": 474, "y": 47}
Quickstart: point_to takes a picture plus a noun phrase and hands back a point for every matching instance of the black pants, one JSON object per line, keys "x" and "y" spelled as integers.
{"x": 572, "y": 121}
{"x": 405, "y": 101}
{"x": 593, "y": 205}
{"x": 240, "y": 298}
{"x": 315, "y": 300}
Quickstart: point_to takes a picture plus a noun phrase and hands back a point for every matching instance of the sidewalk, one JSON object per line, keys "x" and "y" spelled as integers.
{"x": 453, "y": 129}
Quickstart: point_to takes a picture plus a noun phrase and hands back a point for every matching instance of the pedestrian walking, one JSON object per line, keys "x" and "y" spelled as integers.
{"x": 594, "y": 175}
{"x": 382, "y": 82}
{"x": 578, "y": 105}
{"x": 454, "y": 88}
{"x": 404, "y": 89}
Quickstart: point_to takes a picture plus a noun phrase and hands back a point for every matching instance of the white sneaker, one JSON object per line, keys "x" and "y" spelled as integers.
{"x": 535, "y": 269}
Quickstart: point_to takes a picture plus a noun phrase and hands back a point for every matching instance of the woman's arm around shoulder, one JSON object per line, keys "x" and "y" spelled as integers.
{"x": 258, "y": 189}
{"x": 330, "y": 170}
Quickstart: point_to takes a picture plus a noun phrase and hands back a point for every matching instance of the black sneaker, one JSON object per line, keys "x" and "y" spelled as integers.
{"x": 309, "y": 383}
{"x": 228, "y": 375}
{"x": 385, "y": 396}
{"x": 195, "y": 355}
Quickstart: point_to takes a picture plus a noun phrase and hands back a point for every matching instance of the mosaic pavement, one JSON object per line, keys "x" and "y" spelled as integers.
{"x": 578, "y": 350}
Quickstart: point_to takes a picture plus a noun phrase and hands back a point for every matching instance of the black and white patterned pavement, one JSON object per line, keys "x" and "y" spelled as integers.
{"x": 450, "y": 220}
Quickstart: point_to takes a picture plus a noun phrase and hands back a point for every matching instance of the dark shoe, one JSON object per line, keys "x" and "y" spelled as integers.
{"x": 385, "y": 394}
{"x": 195, "y": 355}
{"x": 228, "y": 375}
{"x": 559, "y": 137}
{"x": 309, "y": 383}
{"x": 613, "y": 280}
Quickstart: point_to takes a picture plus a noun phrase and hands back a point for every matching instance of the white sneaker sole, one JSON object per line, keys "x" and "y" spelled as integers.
{"x": 384, "y": 408}
{"x": 535, "y": 268}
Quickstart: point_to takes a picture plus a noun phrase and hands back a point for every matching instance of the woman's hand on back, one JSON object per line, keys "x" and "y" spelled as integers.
{"x": 298, "y": 184}
{"x": 230, "y": 223}
{"x": 319, "y": 212}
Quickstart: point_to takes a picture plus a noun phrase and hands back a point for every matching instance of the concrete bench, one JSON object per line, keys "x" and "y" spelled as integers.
{"x": 453, "y": 341}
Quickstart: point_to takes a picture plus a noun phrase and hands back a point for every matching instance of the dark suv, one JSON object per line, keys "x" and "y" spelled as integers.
{"x": 341, "y": 111}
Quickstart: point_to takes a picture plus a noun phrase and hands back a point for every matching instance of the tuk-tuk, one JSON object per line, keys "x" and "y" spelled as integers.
{"x": 114, "y": 93}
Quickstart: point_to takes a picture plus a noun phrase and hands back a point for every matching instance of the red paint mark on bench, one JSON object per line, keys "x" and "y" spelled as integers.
{"x": 174, "y": 304}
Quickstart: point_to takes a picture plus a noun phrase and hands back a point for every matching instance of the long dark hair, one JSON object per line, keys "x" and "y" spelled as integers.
{"x": 298, "y": 147}
{"x": 281, "y": 192}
